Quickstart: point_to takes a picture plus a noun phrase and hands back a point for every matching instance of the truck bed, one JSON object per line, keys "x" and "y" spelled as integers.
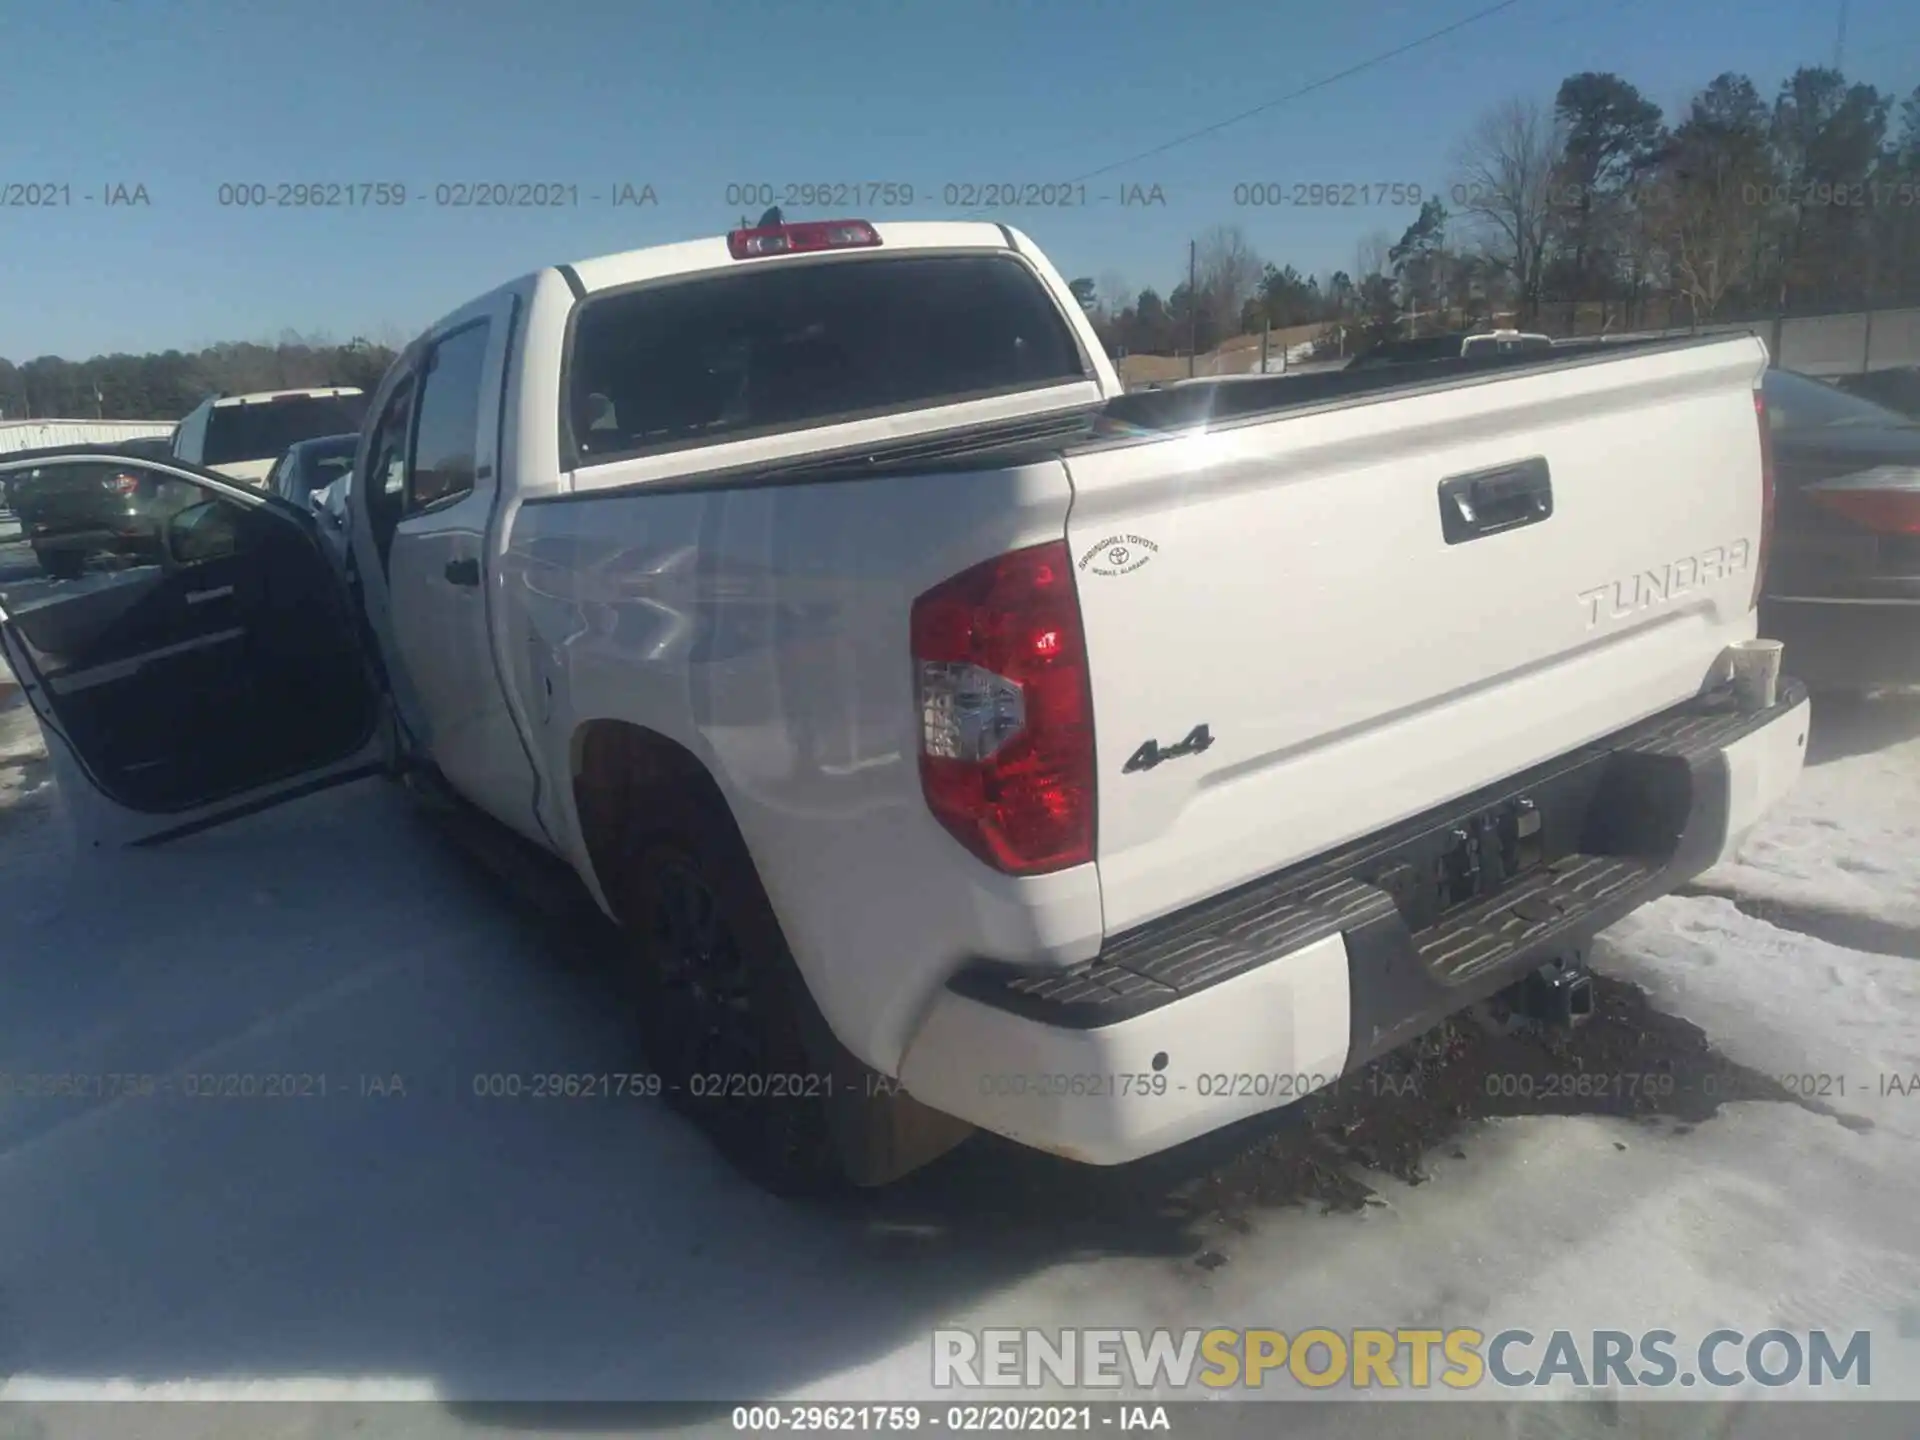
{"x": 1212, "y": 402}
{"x": 1228, "y": 398}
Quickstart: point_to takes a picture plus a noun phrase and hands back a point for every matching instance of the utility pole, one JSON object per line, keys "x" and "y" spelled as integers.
{"x": 1193, "y": 307}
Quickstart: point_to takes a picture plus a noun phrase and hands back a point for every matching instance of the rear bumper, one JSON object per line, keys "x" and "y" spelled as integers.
{"x": 1256, "y": 998}
{"x": 1842, "y": 644}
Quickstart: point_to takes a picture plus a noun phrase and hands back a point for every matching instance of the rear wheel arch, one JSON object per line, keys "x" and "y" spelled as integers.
{"x": 631, "y": 786}
{"x": 622, "y": 771}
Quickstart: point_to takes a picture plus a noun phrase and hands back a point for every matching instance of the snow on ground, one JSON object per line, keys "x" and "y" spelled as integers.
{"x": 438, "y": 1244}
{"x": 1283, "y": 360}
{"x": 1840, "y": 856}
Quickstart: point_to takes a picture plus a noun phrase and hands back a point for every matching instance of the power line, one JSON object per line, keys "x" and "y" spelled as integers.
{"x": 1355, "y": 69}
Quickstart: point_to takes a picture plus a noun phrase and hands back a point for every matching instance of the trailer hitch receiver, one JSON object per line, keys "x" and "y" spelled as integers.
{"x": 1559, "y": 993}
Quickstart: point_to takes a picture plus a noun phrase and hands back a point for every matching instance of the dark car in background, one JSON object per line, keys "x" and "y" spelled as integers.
{"x": 1843, "y": 580}
{"x": 312, "y": 465}
{"x": 1897, "y": 388}
{"x": 1445, "y": 346}
{"x": 149, "y": 447}
{"x": 68, "y": 513}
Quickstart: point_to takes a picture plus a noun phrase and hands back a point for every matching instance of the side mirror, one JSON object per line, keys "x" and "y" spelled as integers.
{"x": 201, "y": 532}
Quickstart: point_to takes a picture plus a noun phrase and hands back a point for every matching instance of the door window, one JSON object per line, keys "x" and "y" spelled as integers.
{"x": 446, "y": 441}
{"x": 80, "y": 518}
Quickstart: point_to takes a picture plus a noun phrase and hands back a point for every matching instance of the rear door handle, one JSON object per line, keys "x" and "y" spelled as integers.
{"x": 200, "y": 597}
{"x": 463, "y": 572}
{"x": 1487, "y": 502}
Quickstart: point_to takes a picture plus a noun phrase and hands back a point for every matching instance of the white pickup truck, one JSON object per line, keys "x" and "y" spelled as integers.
{"x": 959, "y": 740}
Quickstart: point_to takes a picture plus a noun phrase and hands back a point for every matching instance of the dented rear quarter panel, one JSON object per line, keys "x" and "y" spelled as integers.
{"x": 765, "y": 629}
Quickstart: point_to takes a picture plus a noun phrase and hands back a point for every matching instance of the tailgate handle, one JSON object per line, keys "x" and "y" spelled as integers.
{"x": 1486, "y": 502}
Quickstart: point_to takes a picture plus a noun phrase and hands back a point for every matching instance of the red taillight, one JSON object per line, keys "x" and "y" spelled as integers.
{"x": 1885, "y": 511}
{"x": 122, "y": 484}
{"x": 1766, "y": 496}
{"x": 801, "y": 236}
{"x": 1006, "y": 716}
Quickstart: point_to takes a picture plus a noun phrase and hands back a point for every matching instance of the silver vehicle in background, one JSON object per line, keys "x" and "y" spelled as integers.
{"x": 329, "y": 505}
{"x": 312, "y": 466}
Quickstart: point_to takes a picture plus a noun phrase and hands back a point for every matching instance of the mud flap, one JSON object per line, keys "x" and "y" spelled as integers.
{"x": 880, "y": 1132}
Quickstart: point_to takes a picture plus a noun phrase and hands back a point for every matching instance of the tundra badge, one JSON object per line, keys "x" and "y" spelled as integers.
{"x": 1631, "y": 594}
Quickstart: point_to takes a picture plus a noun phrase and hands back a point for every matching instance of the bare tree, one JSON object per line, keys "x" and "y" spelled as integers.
{"x": 1700, "y": 203}
{"x": 1227, "y": 272}
{"x": 1373, "y": 255}
{"x": 1503, "y": 190}
{"x": 1709, "y": 230}
{"x": 1709, "y": 243}
{"x": 393, "y": 336}
{"x": 1111, "y": 294}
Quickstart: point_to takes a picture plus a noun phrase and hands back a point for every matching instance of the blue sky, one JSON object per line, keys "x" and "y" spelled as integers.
{"x": 181, "y": 96}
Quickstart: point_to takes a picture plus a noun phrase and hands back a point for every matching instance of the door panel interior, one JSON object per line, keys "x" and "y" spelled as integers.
{"x": 219, "y": 659}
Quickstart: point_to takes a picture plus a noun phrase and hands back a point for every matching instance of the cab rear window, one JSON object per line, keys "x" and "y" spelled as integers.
{"x": 267, "y": 429}
{"x": 771, "y": 348}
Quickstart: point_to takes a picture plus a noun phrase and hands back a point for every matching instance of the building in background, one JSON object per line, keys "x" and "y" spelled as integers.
{"x": 32, "y": 434}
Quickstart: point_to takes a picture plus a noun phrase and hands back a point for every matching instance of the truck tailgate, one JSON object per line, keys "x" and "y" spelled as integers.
{"x": 1374, "y": 608}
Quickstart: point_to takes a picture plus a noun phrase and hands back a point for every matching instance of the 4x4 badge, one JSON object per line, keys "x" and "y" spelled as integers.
{"x": 1150, "y": 754}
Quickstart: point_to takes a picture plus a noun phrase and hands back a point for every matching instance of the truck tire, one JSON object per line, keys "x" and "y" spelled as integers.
{"x": 719, "y": 1013}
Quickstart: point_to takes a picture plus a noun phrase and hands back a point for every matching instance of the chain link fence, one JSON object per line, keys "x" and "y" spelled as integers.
{"x": 1848, "y": 344}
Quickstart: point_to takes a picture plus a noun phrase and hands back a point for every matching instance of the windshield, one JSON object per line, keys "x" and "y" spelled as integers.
{"x": 323, "y": 462}
{"x": 268, "y": 429}
{"x": 1799, "y": 402}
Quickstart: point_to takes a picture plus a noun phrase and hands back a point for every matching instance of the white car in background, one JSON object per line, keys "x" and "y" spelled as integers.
{"x": 1505, "y": 342}
{"x": 243, "y": 436}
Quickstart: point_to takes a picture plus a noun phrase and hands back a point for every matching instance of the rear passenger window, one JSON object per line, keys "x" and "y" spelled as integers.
{"x": 790, "y": 346}
{"x": 447, "y": 438}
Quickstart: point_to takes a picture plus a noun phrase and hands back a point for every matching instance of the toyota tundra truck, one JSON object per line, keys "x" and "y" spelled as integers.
{"x": 957, "y": 740}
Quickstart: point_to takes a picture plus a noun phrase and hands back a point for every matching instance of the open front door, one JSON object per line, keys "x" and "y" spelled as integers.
{"x": 187, "y": 643}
